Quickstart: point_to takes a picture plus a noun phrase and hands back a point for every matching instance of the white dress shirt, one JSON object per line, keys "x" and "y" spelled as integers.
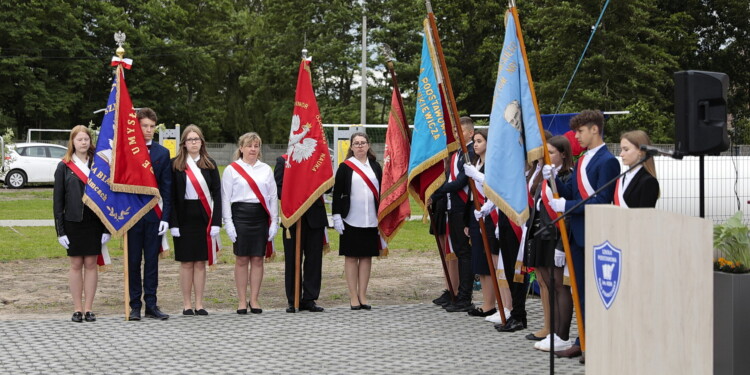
{"x": 234, "y": 188}
{"x": 629, "y": 177}
{"x": 190, "y": 193}
{"x": 362, "y": 210}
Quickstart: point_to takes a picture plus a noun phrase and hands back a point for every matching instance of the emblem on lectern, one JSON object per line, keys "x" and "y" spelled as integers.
{"x": 607, "y": 271}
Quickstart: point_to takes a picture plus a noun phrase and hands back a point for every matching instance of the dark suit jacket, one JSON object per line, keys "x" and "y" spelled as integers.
{"x": 163, "y": 172}
{"x": 642, "y": 191}
{"x": 602, "y": 168}
{"x": 67, "y": 203}
{"x": 342, "y": 187}
{"x": 179, "y": 182}
{"x": 316, "y": 214}
{"x": 459, "y": 183}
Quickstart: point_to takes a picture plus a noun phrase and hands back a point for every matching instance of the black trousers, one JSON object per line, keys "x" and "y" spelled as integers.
{"x": 509, "y": 251}
{"x": 311, "y": 254}
{"x": 462, "y": 249}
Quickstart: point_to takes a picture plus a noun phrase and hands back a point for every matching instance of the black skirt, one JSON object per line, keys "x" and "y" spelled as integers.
{"x": 85, "y": 236}
{"x": 251, "y": 223}
{"x": 359, "y": 242}
{"x": 192, "y": 244}
{"x": 478, "y": 256}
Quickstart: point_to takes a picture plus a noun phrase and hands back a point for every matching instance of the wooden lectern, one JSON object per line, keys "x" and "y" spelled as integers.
{"x": 649, "y": 292}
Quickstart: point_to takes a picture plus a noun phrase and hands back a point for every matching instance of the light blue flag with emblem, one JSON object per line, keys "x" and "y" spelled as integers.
{"x": 513, "y": 135}
{"x": 428, "y": 140}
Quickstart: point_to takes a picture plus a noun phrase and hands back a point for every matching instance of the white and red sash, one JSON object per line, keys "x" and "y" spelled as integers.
{"x": 547, "y": 196}
{"x": 383, "y": 246}
{"x": 262, "y": 198}
{"x": 584, "y": 186}
{"x": 103, "y": 258}
{"x": 198, "y": 181}
{"x": 464, "y": 192}
{"x": 619, "y": 194}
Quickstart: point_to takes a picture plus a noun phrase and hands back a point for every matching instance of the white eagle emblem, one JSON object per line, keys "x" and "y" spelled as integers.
{"x": 300, "y": 148}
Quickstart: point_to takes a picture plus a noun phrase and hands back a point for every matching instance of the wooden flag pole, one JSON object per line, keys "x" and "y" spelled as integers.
{"x": 297, "y": 256}
{"x": 441, "y": 250}
{"x": 563, "y": 228}
{"x": 126, "y": 277}
{"x": 453, "y": 112}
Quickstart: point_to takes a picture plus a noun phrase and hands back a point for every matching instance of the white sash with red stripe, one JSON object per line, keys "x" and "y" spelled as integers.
{"x": 584, "y": 186}
{"x": 198, "y": 182}
{"x": 270, "y": 251}
{"x": 383, "y": 246}
{"x": 464, "y": 192}
{"x": 103, "y": 258}
{"x": 619, "y": 194}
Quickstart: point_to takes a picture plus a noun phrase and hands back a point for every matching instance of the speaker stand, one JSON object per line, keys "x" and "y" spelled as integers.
{"x": 701, "y": 186}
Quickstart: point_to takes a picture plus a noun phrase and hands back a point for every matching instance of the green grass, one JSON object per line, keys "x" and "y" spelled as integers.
{"x": 22, "y": 205}
{"x": 18, "y": 243}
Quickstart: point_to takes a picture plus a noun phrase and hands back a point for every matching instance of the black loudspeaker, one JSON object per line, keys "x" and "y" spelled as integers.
{"x": 700, "y": 108}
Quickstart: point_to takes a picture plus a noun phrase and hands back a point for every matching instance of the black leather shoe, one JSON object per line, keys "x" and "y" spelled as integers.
{"x": 572, "y": 352}
{"x": 290, "y": 309}
{"x": 201, "y": 312}
{"x": 311, "y": 307}
{"x": 445, "y": 297}
{"x": 188, "y": 312}
{"x": 479, "y": 312}
{"x": 253, "y": 310}
{"x": 358, "y": 307}
{"x": 135, "y": 314}
{"x": 365, "y": 307}
{"x": 242, "y": 311}
{"x": 460, "y": 307}
{"x": 77, "y": 317}
{"x": 532, "y": 337}
{"x": 89, "y": 316}
{"x": 155, "y": 313}
{"x": 511, "y": 325}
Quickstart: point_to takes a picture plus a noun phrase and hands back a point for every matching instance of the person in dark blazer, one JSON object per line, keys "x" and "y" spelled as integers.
{"x": 356, "y": 192}
{"x": 456, "y": 190}
{"x": 145, "y": 237}
{"x": 639, "y": 187}
{"x": 314, "y": 222}
{"x": 78, "y": 228}
{"x": 196, "y": 215}
{"x": 595, "y": 168}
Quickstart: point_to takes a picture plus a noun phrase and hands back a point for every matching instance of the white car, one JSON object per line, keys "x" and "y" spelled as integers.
{"x": 32, "y": 163}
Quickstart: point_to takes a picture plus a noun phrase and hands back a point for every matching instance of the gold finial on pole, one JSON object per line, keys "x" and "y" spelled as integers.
{"x": 120, "y": 40}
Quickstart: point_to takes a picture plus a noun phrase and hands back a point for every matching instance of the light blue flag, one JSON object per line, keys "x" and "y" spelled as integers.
{"x": 428, "y": 140}
{"x": 513, "y": 135}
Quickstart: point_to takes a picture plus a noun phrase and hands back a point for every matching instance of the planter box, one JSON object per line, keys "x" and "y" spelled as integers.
{"x": 731, "y": 323}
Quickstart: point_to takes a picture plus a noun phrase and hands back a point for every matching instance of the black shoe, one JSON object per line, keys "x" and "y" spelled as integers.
{"x": 135, "y": 314}
{"x": 532, "y": 337}
{"x": 511, "y": 325}
{"x": 358, "y": 307}
{"x": 188, "y": 312}
{"x": 445, "y": 297}
{"x": 446, "y": 303}
{"x": 311, "y": 307}
{"x": 155, "y": 313}
{"x": 242, "y": 311}
{"x": 201, "y": 312}
{"x": 77, "y": 317}
{"x": 89, "y": 316}
{"x": 253, "y": 310}
{"x": 479, "y": 312}
{"x": 290, "y": 309}
{"x": 464, "y": 306}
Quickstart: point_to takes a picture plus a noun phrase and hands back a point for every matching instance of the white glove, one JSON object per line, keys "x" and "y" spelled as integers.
{"x": 549, "y": 172}
{"x": 487, "y": 207}
{"x": 559, "y": 258}
{"x": 64, "y": 241}
{"x": 105, "y": 238}
{"x": 273, "y": 229}
{"x": 231, "y": 232}
{"x": 175, "y": 232}
{"x": 474, "y": 173}
{"x": 163, "y": 226}
{"x": 338, "y": 224}
{"x": 214, "y": 231}
{"x": 497, "y": 232}
{"x": 557, "y": 204}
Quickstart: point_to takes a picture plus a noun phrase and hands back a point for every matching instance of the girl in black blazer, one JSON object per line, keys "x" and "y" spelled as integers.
{"x": 78, "y": 228}
{"x": 355, "y": 216}
{"x": 196, "y": 215}
{"x": 639, "y": 187}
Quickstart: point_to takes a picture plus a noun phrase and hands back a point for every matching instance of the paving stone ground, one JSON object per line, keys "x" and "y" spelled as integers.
{"x": 405, "y": 339}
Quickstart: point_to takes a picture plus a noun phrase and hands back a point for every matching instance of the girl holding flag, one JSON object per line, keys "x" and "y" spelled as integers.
{"x": 356, "y": 193}
{"x": 78, "y": 228}
{"x": 250, "y": 211}
{"x": 196, "y": 215}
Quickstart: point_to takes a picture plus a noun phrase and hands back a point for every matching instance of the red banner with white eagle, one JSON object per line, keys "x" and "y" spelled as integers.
{"x": 308, "y": 169}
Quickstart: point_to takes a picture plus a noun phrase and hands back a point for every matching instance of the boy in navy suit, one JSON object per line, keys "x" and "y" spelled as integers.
{"x": 596, "y": 167}
{"x": 145, "y": 237}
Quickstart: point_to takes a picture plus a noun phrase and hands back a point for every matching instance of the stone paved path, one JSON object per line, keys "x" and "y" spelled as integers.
{"x": 407, "y": 339}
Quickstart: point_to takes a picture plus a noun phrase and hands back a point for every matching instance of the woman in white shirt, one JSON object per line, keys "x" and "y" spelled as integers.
{"x": 249, "y": 208}
{"x": 356, "y": 194}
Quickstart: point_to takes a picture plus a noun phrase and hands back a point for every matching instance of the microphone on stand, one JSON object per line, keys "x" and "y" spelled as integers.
{"x": 653, "y": 151}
